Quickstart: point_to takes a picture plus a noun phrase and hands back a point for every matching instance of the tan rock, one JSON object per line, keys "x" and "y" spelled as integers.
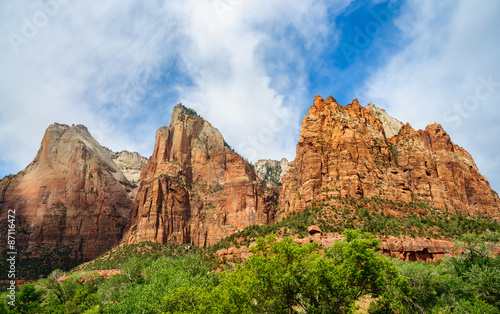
{"x": 130, "y": 164}
{"x": 391, "y": 125}
{"x": 314, "y": 230}
{"x": 71, "y": 199}
{"x": 271, "y": 171}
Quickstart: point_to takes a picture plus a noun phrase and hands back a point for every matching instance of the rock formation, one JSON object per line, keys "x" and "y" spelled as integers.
{"x": 345, "y": 152}
{"x": 78, "y": 199}
{"x": 271, "y": 171}
{"x": 72, "y": 200}
{"x": 130, "y": 164}
{"x": 391, "y": 126}
{"x": 425, "y": 250}
{"x": 195, "y": 188}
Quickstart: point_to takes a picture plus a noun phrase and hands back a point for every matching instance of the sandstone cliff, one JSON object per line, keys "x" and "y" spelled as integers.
{"x": 195, "y": 188}
{"x": 72, "y": 200}
{"x": 345, "y": 152}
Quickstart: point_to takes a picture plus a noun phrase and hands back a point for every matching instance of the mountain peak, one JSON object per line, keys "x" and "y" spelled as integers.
{"x": 195, "y": 188}
{"x": 72, "y": 197}
{"x": 361, "y": 152}
{"x": 180, "y": 110}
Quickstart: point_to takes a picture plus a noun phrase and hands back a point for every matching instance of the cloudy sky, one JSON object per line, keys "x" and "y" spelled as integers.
{"x": 250, "y": 67}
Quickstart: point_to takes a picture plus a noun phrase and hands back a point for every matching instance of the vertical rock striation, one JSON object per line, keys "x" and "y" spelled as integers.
{"x": 71, "y": 200}
{"x": 344, "y": 151}
{"x": 195, "y": 188}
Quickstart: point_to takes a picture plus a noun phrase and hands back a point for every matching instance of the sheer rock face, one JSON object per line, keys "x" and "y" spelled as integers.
{"x": 344, "y": 152}
{"x": 72, "y": 198}
{"x": 195, "y": 189}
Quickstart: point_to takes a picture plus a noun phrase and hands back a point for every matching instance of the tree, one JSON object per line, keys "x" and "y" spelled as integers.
{"x": 284, "y": 277}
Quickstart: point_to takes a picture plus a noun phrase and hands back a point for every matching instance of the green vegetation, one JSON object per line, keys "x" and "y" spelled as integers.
{"x": 468, "y": 283}
{"x": 380, "y": 217}
{"x": 284, "y": 277}
{"x": 34, "y": 268}
{"x": 280, "y": 277}
{"x": 189, "y": 111}
{"x": 118, "y": 256}
{"x": 9, "y": 176}
{"x": 414, "y": 219}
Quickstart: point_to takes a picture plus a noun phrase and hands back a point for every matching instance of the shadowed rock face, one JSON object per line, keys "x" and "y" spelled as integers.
{"x": 75, "y": 197}
{"x": 72, "y": 198}
{"x": 345, "y": 152}
{"x": 195, "y": 189}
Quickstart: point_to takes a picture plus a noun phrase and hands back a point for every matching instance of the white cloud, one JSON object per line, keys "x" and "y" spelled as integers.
{"x": 75, "y": 62}
{"x": 72, "y": 63}
{"x": 453, "y": 47}
{"x": 254, "y": 103}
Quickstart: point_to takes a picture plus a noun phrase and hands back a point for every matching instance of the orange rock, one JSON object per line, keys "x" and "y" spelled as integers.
{"x": 344, "y": 152}
{"x": 425, "y": 250}
{"x": 314, "y": 230}
{"x": 195, "y": 189}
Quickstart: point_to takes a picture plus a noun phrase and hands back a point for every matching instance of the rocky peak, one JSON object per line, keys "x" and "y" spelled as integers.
{"x": 130, "y": 165}
{"x": 195, "y": 188}
{"x": 391, "y": 125}
{"x": 72, "y": 198}
{"x": 345, "y": 152}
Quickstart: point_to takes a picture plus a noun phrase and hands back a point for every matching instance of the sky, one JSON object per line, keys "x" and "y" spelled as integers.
{"x": 251, "y": 68}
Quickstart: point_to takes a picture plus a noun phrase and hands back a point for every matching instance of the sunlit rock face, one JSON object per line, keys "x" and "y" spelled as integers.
{"x": 195, "y": 188}
{"x": 72, "y": 198}
{"x": 344, "y": 151}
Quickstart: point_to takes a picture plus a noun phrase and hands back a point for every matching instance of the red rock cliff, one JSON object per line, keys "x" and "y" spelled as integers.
{"x": 195, "y": 189}
{"x": 72, "y": 198}
{"x": 344, "y": 152}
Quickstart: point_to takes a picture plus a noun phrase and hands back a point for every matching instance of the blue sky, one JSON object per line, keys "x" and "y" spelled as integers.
{"x": 252, "y": 68}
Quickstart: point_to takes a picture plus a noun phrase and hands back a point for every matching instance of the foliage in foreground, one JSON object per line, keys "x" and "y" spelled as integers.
{"x": 280, "y": 277}
{"x": 469, "y": 283}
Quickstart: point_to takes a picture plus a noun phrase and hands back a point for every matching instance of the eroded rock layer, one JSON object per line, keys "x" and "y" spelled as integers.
{"x": 195, "y": 188}
{"x": 344, "y": 151}
{"x": 72, "y": 200}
